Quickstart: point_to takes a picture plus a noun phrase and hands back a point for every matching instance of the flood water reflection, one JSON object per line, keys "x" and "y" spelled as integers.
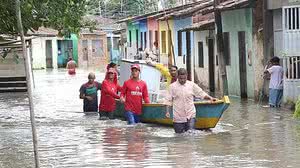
{"x": 247, "y": 135}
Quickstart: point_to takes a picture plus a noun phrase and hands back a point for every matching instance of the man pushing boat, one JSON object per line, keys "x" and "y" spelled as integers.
{"x": 133, "y": 93}
{"x": 181, "y": 95}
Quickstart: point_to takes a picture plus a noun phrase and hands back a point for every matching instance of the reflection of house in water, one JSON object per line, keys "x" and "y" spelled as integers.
{"x": 92, "y": 49}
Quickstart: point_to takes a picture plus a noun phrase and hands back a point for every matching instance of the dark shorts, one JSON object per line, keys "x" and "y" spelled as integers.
{"x": 132, "y": 118}
{"x": 183, "y": 127}
{"x": 106, "y": 115}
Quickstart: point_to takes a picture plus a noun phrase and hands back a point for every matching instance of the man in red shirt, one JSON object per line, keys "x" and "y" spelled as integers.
{"x": 108, "y": 95}
{"x": 133, "y": 93}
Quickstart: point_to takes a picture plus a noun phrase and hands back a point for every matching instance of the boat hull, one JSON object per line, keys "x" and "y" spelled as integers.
{"x": 208, "y": 114}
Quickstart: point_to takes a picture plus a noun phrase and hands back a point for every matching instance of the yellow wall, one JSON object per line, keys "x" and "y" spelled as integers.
{"x": 164, "y": 27}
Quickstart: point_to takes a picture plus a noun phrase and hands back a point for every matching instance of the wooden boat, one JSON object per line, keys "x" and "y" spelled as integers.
{"x": 208, "y": 114}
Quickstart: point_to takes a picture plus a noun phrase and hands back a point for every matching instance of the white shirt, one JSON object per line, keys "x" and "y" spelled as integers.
{"x": 182, "y": 99}
{"x": 276, "y": 72}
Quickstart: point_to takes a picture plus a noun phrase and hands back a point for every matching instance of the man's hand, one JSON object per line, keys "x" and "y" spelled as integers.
{"x": 168, "y": 114}
{"x": 122, "y": 99}
{"x": 89, "y": 98}
{"x": 212, "y": 99}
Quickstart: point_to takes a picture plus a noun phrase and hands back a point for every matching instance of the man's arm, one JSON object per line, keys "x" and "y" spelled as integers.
{"x": 168, "y": 101}
{"x": 198, "y": 92}
{"x": 145, "y": 94}
{"x": 123, "y": 93}
{"x": 107, "y": 90}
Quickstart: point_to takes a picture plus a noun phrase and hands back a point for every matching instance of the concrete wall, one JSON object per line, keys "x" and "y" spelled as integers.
{"x": 39, "y": 52}
{"x": 163, "y": 26}
{"x": 233, "y": 22}
{"x": 131, "y": 50}
{"x": 276, "y": 4}
{"x": 180, "y": 23}
{"x": 94, "y": 62}
{"x": 11, "y": 66}
{"x": 152, "y": 25}
{"x": 142, "y": 29}
{"x": 203, "y": 73}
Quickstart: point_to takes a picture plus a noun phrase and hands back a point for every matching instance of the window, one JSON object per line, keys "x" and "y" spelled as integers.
{"x": 145, "y": 40}
{"x": 169, "y": 41}
{"x": 163, "y": 42}
{"x": 97, "y": 48}
{"x": 156, "y": 36}
{"x": 226, "y": 40}
{"x": 116, "y": 43}
{"x": 200, "y": 55}
{"x": 291, "y": 17}
{"x": 137, "y": 40}
{"x": 150, "y": 40}
{"x": 85, "y": 49}
{"x": 179, "y": 34}
{"x": 142, "y": 45}
{"x": 130, "y": 38}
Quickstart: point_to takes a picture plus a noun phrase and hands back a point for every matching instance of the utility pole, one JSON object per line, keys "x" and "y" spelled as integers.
{"x": 29, "y": 87}
{"x": 122, "y": 7}
{"x": 220, "y": 48}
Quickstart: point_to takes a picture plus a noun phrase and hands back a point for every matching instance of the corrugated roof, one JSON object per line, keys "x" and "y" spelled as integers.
{"x": 203, "y": 25}
{"x": 189, "y": 11}
{"x": 160, "y": 13}
{"x": 233, "y": 4}
{"x": 43, "y": 31}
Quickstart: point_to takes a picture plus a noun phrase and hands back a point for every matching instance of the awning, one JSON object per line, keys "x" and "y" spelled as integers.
{"x": 203, "y": 25}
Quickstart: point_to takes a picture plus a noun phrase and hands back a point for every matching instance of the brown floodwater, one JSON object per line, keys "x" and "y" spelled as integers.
{"x": 246, "y": 136}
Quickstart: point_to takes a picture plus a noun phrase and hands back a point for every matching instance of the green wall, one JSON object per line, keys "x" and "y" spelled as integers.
{"x": 131, "y": 27}
{"x": 74, "y": 38}
{"x": 233, "y": 22}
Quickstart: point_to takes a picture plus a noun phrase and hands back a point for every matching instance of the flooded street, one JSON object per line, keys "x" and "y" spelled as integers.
{"x": 247, "y": 135}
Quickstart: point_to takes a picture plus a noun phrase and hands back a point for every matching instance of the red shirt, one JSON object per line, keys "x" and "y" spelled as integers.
{"x": 134, "y": 92}
{"x": 108, "y": 95}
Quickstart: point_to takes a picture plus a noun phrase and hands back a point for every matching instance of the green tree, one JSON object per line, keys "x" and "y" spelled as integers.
{"x": 62, "y": 15}
{"x": 121, "y": 8}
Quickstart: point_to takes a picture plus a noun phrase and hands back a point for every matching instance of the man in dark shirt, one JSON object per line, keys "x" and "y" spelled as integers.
{"x": 88, "y": 92}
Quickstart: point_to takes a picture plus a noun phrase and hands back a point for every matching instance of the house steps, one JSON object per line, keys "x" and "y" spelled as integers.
{"x": 13, "y": 84}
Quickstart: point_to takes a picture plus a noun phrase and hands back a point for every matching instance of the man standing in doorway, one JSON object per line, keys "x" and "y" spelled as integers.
{"x": 133, "y": 93}
{"x": 88, "y": 92}
{"x": 181, "y": 96}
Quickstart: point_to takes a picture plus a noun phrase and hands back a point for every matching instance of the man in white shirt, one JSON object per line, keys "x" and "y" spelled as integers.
{"x": 276, "y": 82}
{"x": 181, "y": 96}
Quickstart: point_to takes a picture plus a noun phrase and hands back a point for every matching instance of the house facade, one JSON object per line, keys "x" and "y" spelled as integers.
{"x": 92, "y": 50}
{"x": 243, "y": 47}
{"x": 285, "y": 38}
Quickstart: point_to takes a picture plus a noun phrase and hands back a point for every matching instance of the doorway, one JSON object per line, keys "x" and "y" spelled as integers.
{"x": 188, "y": 55}
{"x": 242, "y": 62}
{"x": 211, "y": 65}
{"x": 49, "y": 54}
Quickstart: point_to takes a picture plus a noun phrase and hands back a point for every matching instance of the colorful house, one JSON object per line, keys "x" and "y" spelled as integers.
{"x": 67, "y": 47}
{"x": 92, "y": 49}
{"x": 243, "y": 46}
{"x": 44, "y": 48}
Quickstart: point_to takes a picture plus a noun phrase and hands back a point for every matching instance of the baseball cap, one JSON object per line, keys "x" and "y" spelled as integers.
{"x": 135, "y": 66}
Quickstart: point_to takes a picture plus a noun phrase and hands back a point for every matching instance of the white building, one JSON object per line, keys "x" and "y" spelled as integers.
{"x": 44, "y": 48}
{"x": 286, "y": 26}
